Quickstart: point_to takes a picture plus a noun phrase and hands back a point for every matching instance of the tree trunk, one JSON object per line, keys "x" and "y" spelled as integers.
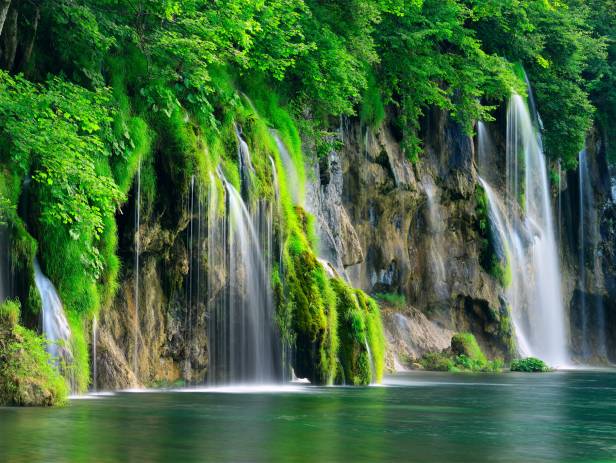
{"x": 23, "y": 62}
{"x": 10, "y": 39}
{"x": 4, "y": 9}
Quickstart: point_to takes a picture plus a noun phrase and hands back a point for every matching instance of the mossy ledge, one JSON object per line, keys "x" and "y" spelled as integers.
{"x": 27, "y": 374}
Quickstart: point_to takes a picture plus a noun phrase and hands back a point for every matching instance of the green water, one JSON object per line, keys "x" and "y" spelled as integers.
{"x": 418, "y": 417}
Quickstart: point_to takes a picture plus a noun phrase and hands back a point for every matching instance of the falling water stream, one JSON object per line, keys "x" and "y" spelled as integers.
{"x": 291, "y": 174}
{"x": 524, "y": 233}
{"x": 55, "y": 325}
{"x": 438, "y": 275}
{"x": 137, "y": 269}
{"x": 592, "y": 312}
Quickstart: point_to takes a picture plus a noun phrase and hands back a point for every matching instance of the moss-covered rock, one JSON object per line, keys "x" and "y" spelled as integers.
{"x": 466, "y": 344}
{"x": 360, "y": 331}
{"x": 27, "y": 374}
{"x": 463, "y": 355}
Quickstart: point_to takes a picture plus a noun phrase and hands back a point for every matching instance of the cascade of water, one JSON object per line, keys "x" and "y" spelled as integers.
{"x": 592, "y": 312}
{"x": 137, "y": 269}
{"x": 582, "y": 257}
{"x": 290, "y": 170}
{"x": 216, "y": 294}
{"x": 246, "y": 168}
{"x": 438, "y": 275}
{"x": 55, "y": 325}
{"x": 510, "y": 241}
{"x": 528, "y": 243}
{"x": 485, "y": 151}
{"x": 192, "y": 264}
{"x": 244, "y": 347}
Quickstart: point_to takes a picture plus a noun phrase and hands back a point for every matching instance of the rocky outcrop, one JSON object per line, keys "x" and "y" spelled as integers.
{"x": 416, "y": 227}
{"x": 410, "y": 335}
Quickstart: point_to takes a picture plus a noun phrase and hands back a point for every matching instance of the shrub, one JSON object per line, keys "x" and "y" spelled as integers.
{"x": 530, "y": 365}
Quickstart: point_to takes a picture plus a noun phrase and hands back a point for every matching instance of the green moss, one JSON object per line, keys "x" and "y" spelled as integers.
{"x": 530, "y": 365}
{"x": 362, "y": 343}
{"x": 396, "y": 300}
{"x": 466, "y": 344}
{"x": 27, "y": 374}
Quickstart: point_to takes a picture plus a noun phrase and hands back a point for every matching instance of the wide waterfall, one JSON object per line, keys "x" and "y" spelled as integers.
{"x": 592, "y": 312}
{"x": 243, "y": 339}
{"x": 524, "y": 232}
{"x": 55, "y": 325}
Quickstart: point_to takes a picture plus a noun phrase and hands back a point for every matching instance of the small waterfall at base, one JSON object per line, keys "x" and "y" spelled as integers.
{"x": 592, "y": 312}
{"x": 524, "y": 231}
{"x": 55, "y": 324}
{"x": 244, "y": 345}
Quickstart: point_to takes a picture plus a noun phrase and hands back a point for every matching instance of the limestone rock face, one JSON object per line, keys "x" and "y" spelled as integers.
{"x": 416, "y": 227}
{"x": 410, "y": 335}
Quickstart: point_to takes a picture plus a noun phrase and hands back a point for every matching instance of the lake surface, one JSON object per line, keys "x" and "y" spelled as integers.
{"x": 415, "y": 417}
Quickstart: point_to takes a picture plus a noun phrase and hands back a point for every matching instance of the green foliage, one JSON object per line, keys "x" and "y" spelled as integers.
{"x": 464, "y": 355}
{"x": 9, "y": 313}
{"x": 530, "y": 365}
{"x": 372, "y": 110}
{"x": 27, "y": 374}
{"x": 556, "y": 45}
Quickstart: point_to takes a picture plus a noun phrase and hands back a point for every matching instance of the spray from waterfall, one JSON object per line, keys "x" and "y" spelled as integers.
{"x": 55, "y": 325}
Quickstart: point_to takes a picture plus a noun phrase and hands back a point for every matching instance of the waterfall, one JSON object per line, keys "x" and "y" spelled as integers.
{"x": 292, "y": 176}
{"x": 137, "y": 269}
{"x": 525, "y": 240}
{"x": 509, "y": 245}
{"x": 245, "y": 162}
{"x": 592, "y": 312}
{"x": 55, "y": 325}
{"x": 244, "y": 343}
{"x": 438, "y": 275}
